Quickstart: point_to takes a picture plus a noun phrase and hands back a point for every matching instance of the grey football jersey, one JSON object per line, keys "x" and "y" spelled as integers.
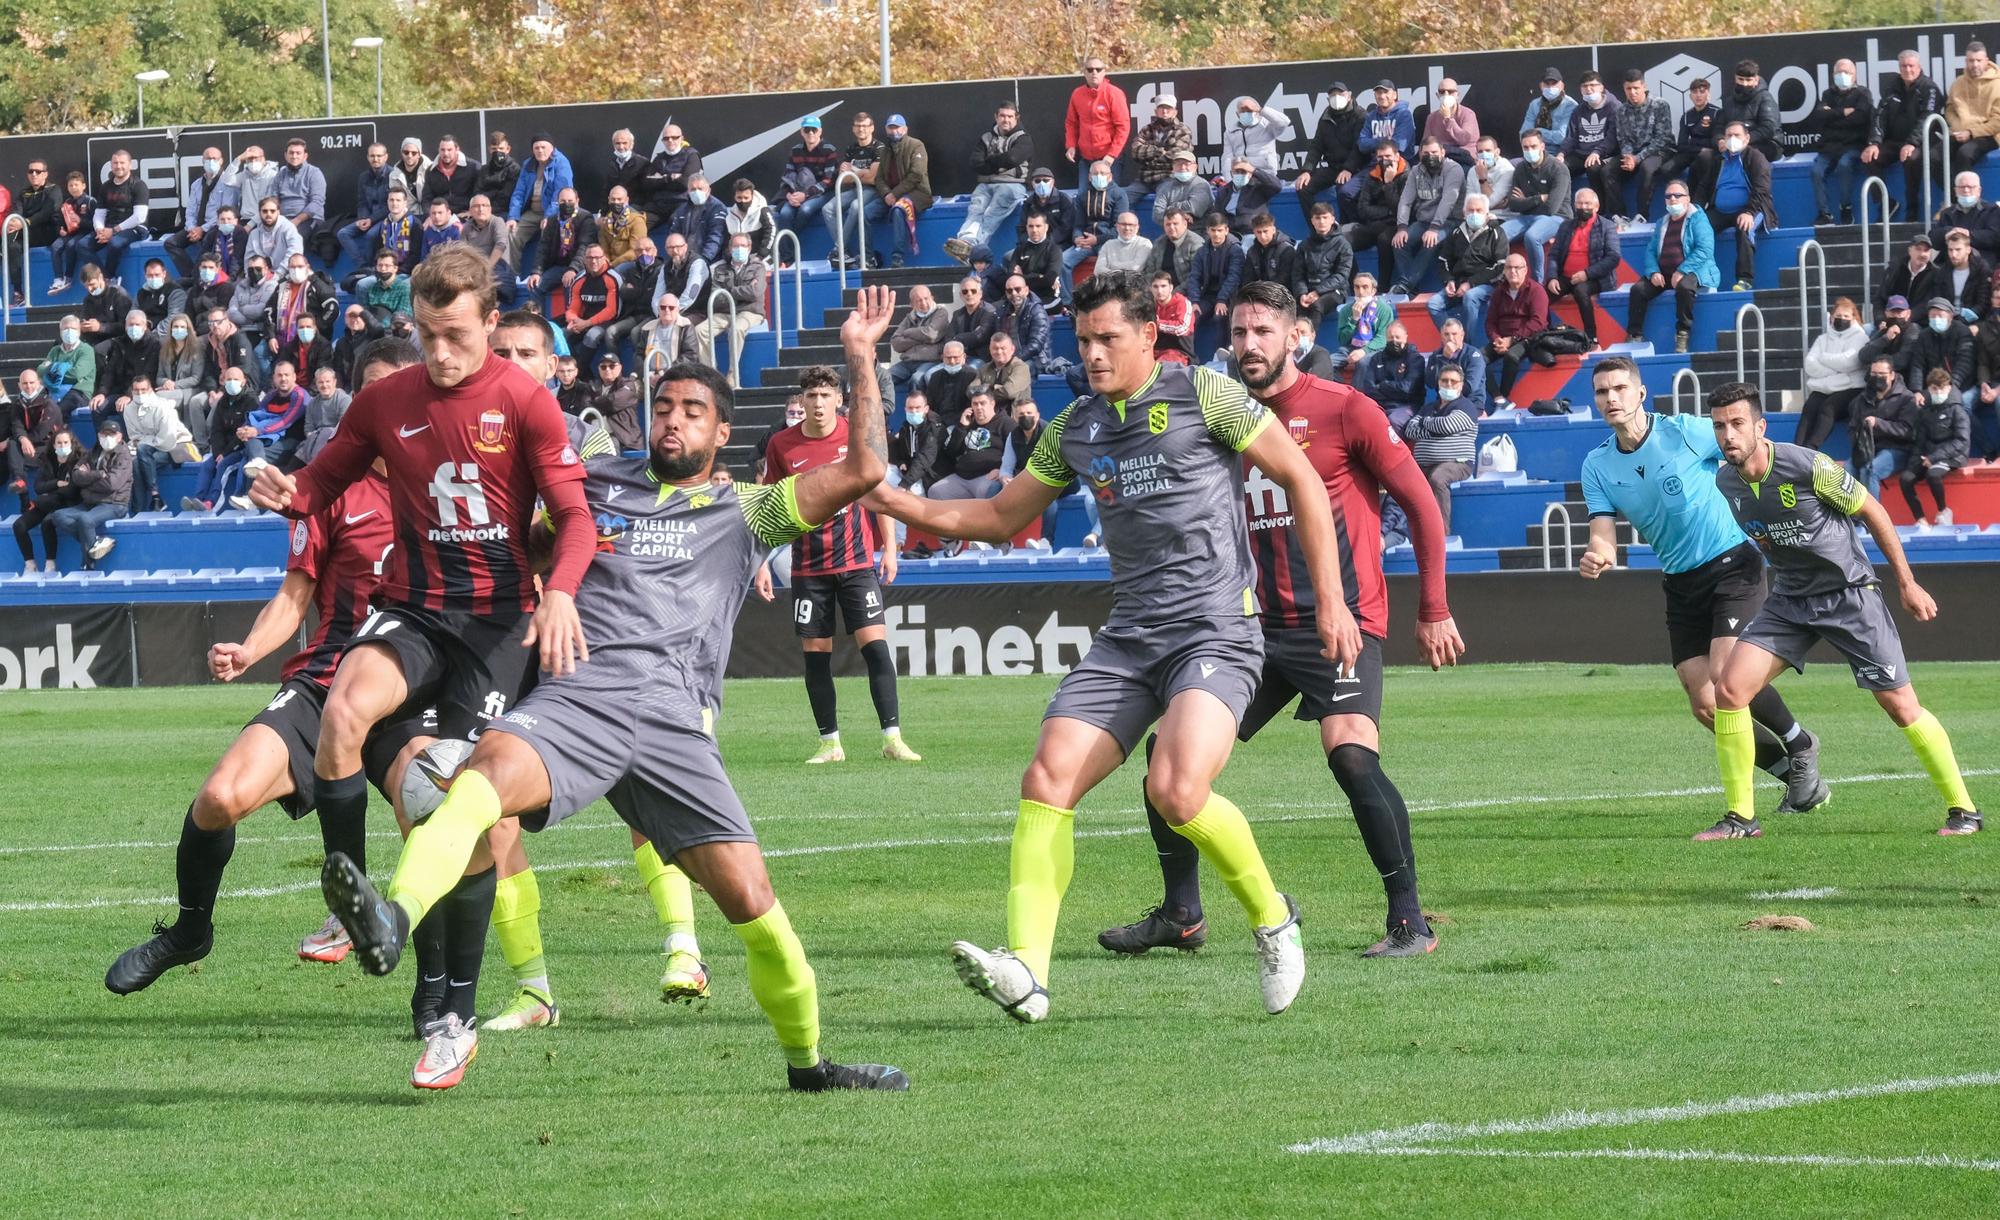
{"x": 660, "y": 599}
{"x": 1801, "y": 514}
{"x": 1164, "y": 465}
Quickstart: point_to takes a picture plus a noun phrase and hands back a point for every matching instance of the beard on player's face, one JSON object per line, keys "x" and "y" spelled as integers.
{"x": 684, "y": 466}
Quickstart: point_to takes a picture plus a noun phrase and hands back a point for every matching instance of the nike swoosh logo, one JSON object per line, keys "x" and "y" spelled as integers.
{"x": 362, "y": 517}
{"x": 407, "y": 433}
{"x": 800, "y": 462}
{"x": 1353, "y": 694}
{"x": 728, "y": 159}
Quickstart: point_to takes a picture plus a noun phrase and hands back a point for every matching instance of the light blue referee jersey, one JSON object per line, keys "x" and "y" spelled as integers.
{"x": 1666, "y": 489}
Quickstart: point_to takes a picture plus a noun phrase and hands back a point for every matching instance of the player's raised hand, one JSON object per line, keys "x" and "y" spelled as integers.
{"x": 228, "y": 661}
{"x": 1918, "y": 601}
{"x": 1339, "y": 634}
{"x": 1440, "y": 642}
{"x": 874, "y": 307}
{"x": 273, "y": 489}
{"x": 559, "y": 632}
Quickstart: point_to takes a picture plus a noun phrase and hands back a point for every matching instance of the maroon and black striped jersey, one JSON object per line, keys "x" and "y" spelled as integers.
{"x": 344, "y": 550}
{"x": 1351, "y": 444}
{"x": 847, "y": 542}
{"x": 466, "y": 463}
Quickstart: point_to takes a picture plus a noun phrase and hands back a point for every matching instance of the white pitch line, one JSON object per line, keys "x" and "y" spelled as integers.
{"x": 1803, "y": 892}
{"x": 1403, "y": 1138}
{"x": 1321, "y": 806}
{"x": 1811, "y": 1159}
{"x": 300, "y": 887}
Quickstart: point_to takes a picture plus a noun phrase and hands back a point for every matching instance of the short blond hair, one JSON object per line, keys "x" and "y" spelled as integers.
{"x": 449, "y": 273}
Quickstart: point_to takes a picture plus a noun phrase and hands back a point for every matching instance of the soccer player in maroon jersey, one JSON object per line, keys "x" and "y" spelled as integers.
{"x": 335, "y": 562}
{"x": 1350, "y": 442}
{"x": 469, "y": 442}
{"x": 835, "y": 565}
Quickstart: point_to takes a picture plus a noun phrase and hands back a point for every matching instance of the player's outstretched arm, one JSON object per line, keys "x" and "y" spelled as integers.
{"x": 1277, "y": 456}
{"x": 828, "y": 489}
{"x": 1916, "y": 599}
{"x": 996, "y": 520}
{"x": 277, "y": 623}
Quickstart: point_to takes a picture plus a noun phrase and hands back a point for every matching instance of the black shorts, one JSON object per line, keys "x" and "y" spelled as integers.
{"x": 857, "y": 593}
{"x": 293, "y": 714}
{"x": 470, "y": 667}
{"x": 1295, "y": 668}
{"x": 1715, "y": 600}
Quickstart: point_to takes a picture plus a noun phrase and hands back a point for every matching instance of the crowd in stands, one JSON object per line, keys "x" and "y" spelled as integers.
{"x": 238, "y": 339}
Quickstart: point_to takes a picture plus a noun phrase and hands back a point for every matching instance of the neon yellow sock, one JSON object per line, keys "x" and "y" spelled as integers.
{"x": 1222, "y": 834}
{"x": 781, "y": 980}
{"x": 668, "y": 887}
{"x": 1043, "y": 857}
{"x": 517, "y": 923}
{"x": 1933, "y": 747}
{"x": 1736, "y": 758}
{"x": 437, "y": 852}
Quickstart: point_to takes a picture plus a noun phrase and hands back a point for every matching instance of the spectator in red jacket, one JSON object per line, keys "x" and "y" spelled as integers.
{"x": 1517, "y": 311}
{"x": 589, "y": 306}
{"x": 1098, "y": 123}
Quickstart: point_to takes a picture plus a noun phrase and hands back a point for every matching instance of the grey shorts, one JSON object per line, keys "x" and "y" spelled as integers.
{"x": 661, "y": 773}
{"x": 1132, "y": 672}
{"x": 1854, "y": 620}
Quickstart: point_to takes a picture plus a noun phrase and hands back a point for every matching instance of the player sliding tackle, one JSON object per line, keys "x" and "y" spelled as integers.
{"x": 1800, "y": 507}
{"x": 1161, "y": 447}
{"x": 629, "y": 723}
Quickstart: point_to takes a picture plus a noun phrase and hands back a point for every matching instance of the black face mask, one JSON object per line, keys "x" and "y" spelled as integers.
{"x": 1745, "y": 92}
{"x": 1432, "y": 161}
{"x": 1842, "y": 323}
{"x": 568, "y": 210}
{"x": 1881, "y": 384}
{"x": 255, "y": 275}
{"x": 1394, "y": 349}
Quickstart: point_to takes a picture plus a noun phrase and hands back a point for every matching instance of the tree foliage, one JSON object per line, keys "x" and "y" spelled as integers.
{"x": 67, "y": 64}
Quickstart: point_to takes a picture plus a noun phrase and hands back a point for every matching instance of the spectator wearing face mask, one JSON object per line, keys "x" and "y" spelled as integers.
{"x": 917, "y": 448}
{"x": 1453, "y": 124}
{"x": 1255, "y": 135}
{"x": 1444, "y": 438}
{"x": 1549, "y": 111}
{"x": 949, "y": 387}
{"x": 1586, "y": 260}
{"x": 1539, "y": 200}
{"x": 1944, "y": 343}
{"x": 303, "y": 304}
{"x": 1386, "y": 122}
{"x": 254, "y": 290}
{"x": 183, "y": 359}
{"x": 1878, "y": 425}
{"x": 1394, "y": 376}
{"x": 1739, "y": 197}
{"x": 27, "y": 421}
{"x": 1834, "y": 374}
{"x": 55, "y": 488}
{"x": 1307, "y": 355}
{"x": 1431, "y": 206}
{"x": 157, "y": 437}
{"x": 134, "y": 353}
{"x": 1099, "y": 204}
{"x": 1752, "y": 105}
{"x": 1940, "y": 442}
{"x": 1243, "y": 196}
{"x": 1184, "y": 190}
{"x": 158, "y": 296}
{"x": 1471, "y": 260}
{"x": 206, "y": 291}
{"x": 1846, "y": 112}
{"x": 1590, "y": 149}
{"x": 103, "y": 481}
{"x": 69, "y": 370}
{"x": 229, "y": 431}
{"x": 1154, "y": 145}
{"x": 1336, "y": 155}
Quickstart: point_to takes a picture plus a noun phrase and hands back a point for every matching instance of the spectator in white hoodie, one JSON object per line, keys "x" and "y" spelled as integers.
{"x": 1834, "y": 373}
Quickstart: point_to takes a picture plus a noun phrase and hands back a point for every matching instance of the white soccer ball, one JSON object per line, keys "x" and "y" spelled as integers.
{"x": 429, "y": 777}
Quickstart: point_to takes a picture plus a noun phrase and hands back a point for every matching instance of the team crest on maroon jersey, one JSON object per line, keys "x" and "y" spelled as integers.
{"x": 1300, "y": 428}
{"x": 492, "y": 432}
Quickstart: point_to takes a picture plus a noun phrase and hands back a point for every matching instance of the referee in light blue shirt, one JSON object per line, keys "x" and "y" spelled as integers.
{"x": 1659, "y": 471}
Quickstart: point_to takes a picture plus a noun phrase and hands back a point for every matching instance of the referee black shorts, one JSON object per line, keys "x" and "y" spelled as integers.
{"x": 1714, "y": 601}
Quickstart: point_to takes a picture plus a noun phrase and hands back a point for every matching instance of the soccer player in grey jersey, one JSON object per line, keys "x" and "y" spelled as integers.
{"x": 632, "y": 722}
{"x": 1161, "y": 447}
{"x": 1800, "y": 506}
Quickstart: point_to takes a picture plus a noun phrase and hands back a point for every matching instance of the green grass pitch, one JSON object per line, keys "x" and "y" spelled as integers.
{"x": 1598, "y": 1035}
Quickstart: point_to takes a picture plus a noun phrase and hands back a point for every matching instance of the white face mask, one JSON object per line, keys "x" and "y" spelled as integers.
{"x": 232, "y": 387}
{"x": 307, "y": 334}
{"x": 179, "y": 333}
{"x": 298, "y": 274}
{"x": 697, "y": 198}
{"x": 63, "y": 452}
{"x": 1475, "y": 220}
{"x": 1338, "y": 101}
{"x": 1246, "y": 118}
{"x": 1843, "y": 80}
{"x": 135, "y": 333}
{"x": 917, "y": 415}
{"x": 1448, "y": 393}
{"x": 156, "y": 282}
{"x": 69, "y": 337}
{"x": 109, "y": 441}
{"x": 1533, "y": 155}
{"x": 210, "y": 165}
{"x": 1677, "y": 208}
{"x": 1183, "y": 175}
{"x": 1734, "y": 144}
{"x": 1592, "y": 97}
{"x": 1940, "y": 397}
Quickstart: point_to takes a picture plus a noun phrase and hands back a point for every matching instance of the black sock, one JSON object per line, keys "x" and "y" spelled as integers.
{"x": 882, "y": 681}
{"x": 1384, "y": 822}
{"x": 1769, "y": 714}
{"x": 198, "y": 865}
{"x": 1180, "y": 859}
{"x": 819, "y": 692}
{"x": 427, "y": 942}
{"x": 468, "y": 912}
{"x": 341, "y": 802}
{"x": 346, "y": 832}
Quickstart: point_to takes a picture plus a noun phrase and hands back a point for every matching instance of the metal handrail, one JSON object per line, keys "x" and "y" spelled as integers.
{"x": 778, "y": 284}
{"x": 1924, "y": 142}
{"x": 1684, "y": 373}
{"x": 735, "y": 341}
{"x": 1872, "y": 183}
{"x": 840, "y": 223}
{"x": 7, "y": 272}
{"x": 1816, "y": 252}
{"x": 1556, "y": 508}
{"x": 1750, "y": 310}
